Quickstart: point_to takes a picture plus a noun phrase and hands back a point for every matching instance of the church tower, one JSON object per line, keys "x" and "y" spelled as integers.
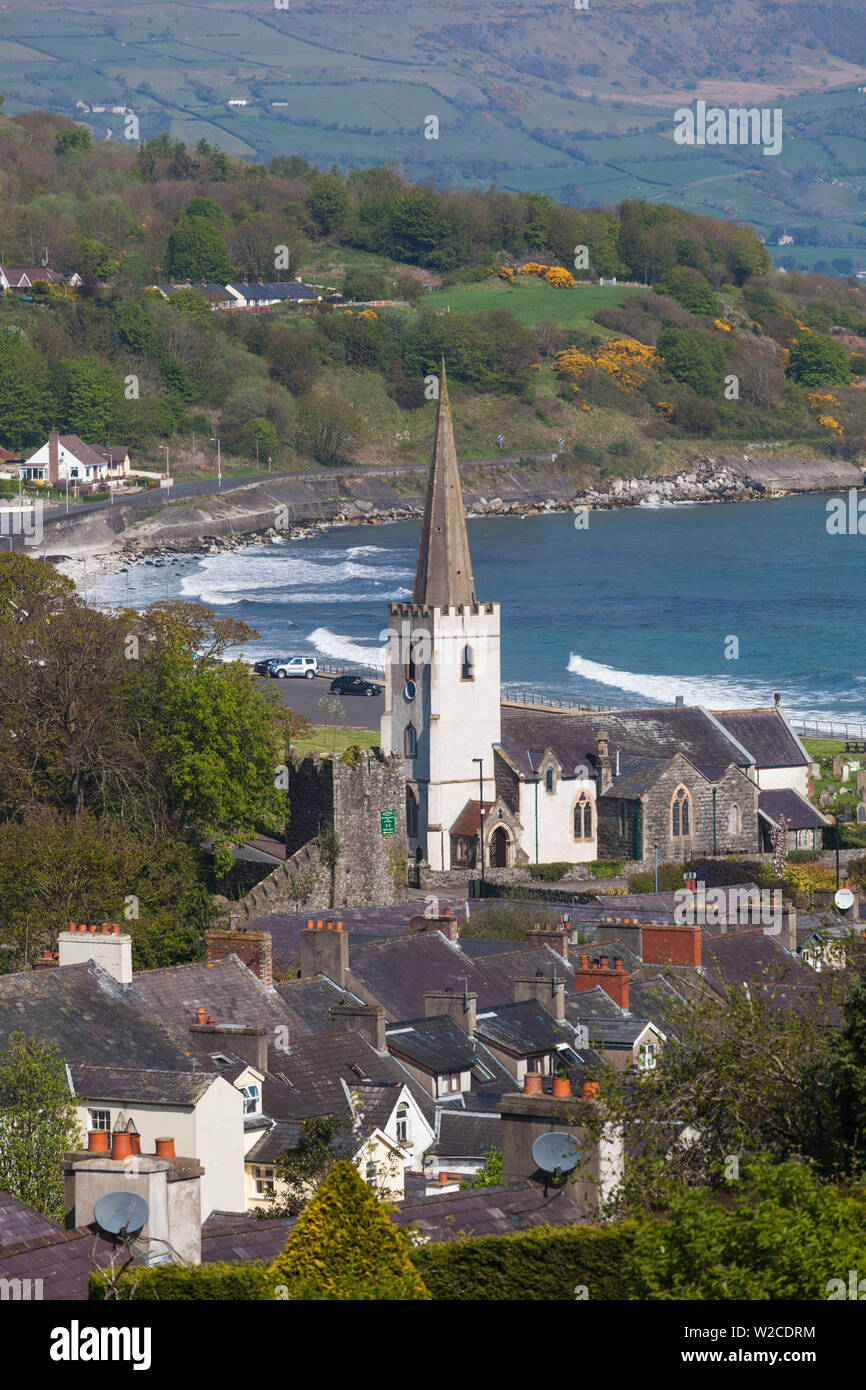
{"x": 442, "y": 684}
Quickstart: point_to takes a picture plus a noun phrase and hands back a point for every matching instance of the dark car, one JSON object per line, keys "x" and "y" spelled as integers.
{"x": 262, "y": 668}
{"x": 354, "y": 685}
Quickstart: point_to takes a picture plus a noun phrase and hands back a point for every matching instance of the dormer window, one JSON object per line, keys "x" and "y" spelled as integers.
{"x": 251, "y": 1095}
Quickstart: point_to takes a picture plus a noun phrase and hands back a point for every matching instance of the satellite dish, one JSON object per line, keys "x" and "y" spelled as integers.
{"x": 555, "y": 1152}
{"x": 118, "y": 1212}
{"x": 844, "y": 899}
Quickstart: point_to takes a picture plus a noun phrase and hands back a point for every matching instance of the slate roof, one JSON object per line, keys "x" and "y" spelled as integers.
{"x": 766, "y": 735}
{"x": 306, "y": 1004}
{"x": 306, "y": 1077}
{"x": 619, "y": 1032}
{"x": 436, "y": 1044}
{"x": 362, "y": 924}
{"x": 240, "y": 1236}
{"x": 285, "y": 1134}
{"x": 86, "y": 1014}
{"x": 131, "y": 1086}
{"x": 226, "y": 989}
{"x": 648, "y": 733}
{"x": 486, "y": 1211}
{"x": 499, "y": 972}
{"x": 636, "y": 775}
{"x": 19, "y": 1223}
{"x": 466, "y": 1134}
{"x": 588, "y": 1005}
{"x": 783, "y": 801}
{"x": 523, "y": 1029}
{"x": 750, "y": 958}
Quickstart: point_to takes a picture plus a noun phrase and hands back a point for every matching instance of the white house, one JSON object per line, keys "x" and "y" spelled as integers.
{"x": 65, "y": 456}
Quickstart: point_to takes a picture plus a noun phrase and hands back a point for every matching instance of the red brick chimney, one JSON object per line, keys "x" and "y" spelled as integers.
{"x": 252, "y": 947}
{"x": 612, "y": 978}
{"x": 53, "y": 457}
{"x": 665, "y": 944}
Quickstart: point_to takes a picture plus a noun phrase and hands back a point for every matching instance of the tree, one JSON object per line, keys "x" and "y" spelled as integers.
{"x": 779, "y": 1234}
{"x": 364, "y": 282}
{"x": 328, "y": 202}
{"x": 299, "y": 1172}
{"x": 490, "y": 1172}
{"x": 819, "y": 360}
{"x": 197, "y": 251}
{"x": 26, "y": 402}
{"x": 691, "y": 289}
{"x": 260, "y": 436}
{"x": 94, "y": 399}
{"x": 694, "y": 358}
{"x": 38, "y": 1124}
{"x": 327, "y": 428}
{"x": 77, "y": 139}
{"x": 207, "y": 208}
{"x": 344, "y": 1247}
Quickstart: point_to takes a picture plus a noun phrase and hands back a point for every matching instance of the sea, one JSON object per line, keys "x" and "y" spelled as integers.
{"x": 723, "y": 604}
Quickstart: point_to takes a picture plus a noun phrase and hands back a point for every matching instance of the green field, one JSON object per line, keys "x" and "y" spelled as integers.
{"x": 325, "y": 739}
{"x": 532, "y": 301}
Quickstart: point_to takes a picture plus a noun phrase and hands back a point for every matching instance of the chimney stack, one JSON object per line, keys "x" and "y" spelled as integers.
{"x": 247, "y": 1042}
{"x": 253, "y": 948}
{"x": 170, "y": 1186}
{"x": 612, "y": 979}
{"x": 556, "y": 938}
{"x": 550, "y": 993}
{"x": 603, "y": 762}
{"x": 454, "y": 1004}
{"x": 110, "y": 947}
{"x": 324, "y": 948}
{"x": 368, "y": 1019}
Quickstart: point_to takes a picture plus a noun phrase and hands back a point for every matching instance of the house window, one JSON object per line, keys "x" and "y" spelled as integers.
{"x": 99, "y": 1119}
{"x": 623, "y": 818}
{"x": 372, "y": 1173}
{"x": 403, "y": 1123}
{"x": 681, "y": 814}
{"x": 410, "y": 741}
{"x": 734, "y": 821}
{"x": 251, "y": 1099}
{"x": 449, "y": 1082}
{"x": 548, "y": 780}
{"x": 647, "y": 1056}
{"x": 467, "y": 666}
{"x": 482, "y": 1073}
{"x": 263, "y": 1181}
{"x": 583, "y": 818}
{"x": 411, "y": 814}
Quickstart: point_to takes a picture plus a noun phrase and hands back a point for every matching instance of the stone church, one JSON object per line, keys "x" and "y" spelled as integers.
{"x": 575, "y": 786}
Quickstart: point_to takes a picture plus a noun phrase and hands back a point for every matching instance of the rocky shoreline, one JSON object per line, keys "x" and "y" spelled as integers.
{"x": 202, "y": 534}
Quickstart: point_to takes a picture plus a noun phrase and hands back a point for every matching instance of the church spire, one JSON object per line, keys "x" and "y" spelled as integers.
{"x": 444, "y": 572}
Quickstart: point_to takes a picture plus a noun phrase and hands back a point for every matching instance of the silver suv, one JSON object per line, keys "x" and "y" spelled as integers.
{"x": 305, "y": 666}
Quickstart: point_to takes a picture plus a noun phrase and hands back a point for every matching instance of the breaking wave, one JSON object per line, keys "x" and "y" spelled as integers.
{"x": 345, "y": 648}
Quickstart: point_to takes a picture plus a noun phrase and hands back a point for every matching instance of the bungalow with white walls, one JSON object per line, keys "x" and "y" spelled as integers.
{"x": 65, "y": 455}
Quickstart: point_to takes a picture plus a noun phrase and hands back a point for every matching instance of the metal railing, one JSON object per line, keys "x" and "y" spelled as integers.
{"x": 529, "y": 698}
{"x": 849, "y": 731}
{"x": 351, "y": 668}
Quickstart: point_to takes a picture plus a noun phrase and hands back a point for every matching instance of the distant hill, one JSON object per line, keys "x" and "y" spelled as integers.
{"x": 534, "y": 95}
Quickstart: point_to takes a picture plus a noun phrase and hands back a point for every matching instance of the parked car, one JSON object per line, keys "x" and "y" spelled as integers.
{"x": 354, "y": 685}
{"x": 305, "y": 666}
{"x": 263, "y": 667}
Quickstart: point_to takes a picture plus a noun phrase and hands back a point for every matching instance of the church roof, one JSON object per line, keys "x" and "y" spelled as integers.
{"x": 776, "y": 802}
{"x": 468, "y": 821}
{"x": 443, "y": 576}
{"x": 765, "y": 733}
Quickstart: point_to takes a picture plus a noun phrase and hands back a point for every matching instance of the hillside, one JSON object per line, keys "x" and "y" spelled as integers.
{"x": 698, "y": 339}
{"x": 531, "y": 94}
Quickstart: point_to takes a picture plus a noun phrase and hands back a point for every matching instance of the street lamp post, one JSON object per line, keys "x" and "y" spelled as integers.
{"x": 480, "y": 762}
{"x": 167, "y": 471}
{"x": 219, "y": 462}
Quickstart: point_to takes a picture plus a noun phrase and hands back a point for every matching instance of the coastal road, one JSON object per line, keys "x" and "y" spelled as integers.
{"x": 362, "y": 711}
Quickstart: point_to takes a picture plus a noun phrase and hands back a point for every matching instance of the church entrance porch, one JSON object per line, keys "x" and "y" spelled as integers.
{"x": 500, "y": 846}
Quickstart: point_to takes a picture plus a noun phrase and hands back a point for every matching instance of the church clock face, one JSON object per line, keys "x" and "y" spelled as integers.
{"x": 409, "y": 690}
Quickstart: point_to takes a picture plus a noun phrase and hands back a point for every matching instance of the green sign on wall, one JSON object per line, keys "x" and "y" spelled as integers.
{"x": 388, "y": 822}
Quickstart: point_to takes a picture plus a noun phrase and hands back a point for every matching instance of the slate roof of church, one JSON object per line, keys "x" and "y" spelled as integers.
{"x": 784, "y": 801}
{"x": 766, "y": 735}
{"x": 636, "y": 775}
{"x": 649, "y": 733}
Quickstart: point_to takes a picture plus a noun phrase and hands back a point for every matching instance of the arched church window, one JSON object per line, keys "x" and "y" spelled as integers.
{"x": 548, "y": 780}
{"x": 410, "y": 741}
{"x": 411, "y": 814}
{"x": 583, "y": 818}
{"x": 681, "y": 814}
{"x": 467, "y": 665}
{"x": 734, "y": 821}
